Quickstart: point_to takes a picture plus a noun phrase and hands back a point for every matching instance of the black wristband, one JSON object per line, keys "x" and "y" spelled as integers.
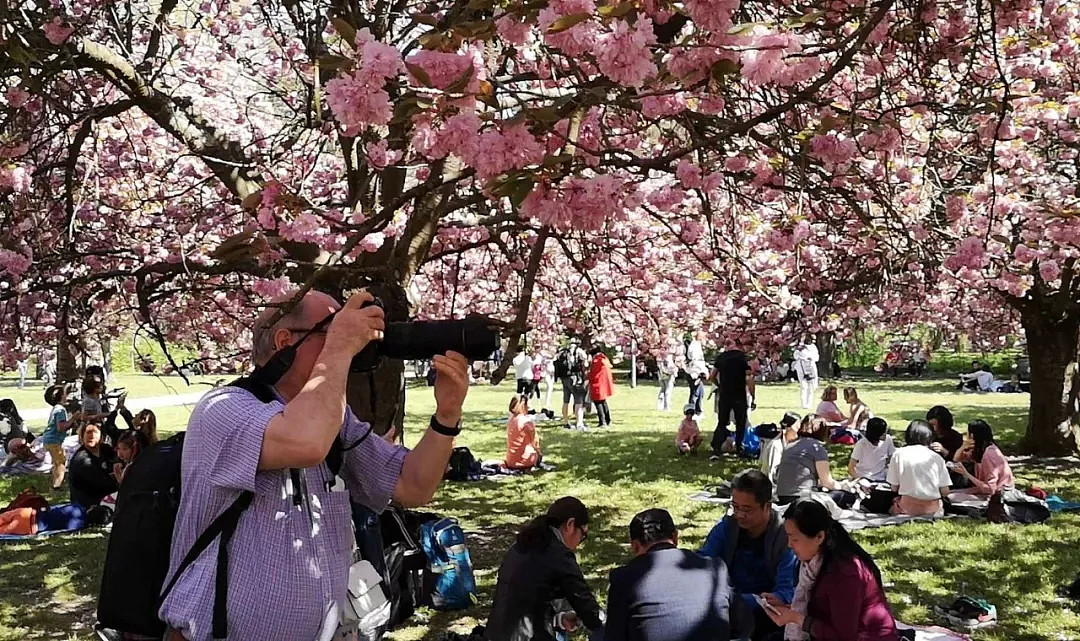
{"x": 444, "y": 430}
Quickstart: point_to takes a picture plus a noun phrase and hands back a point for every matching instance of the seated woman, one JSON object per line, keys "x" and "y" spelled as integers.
{"x": 918, "y": 474}
{"x": 804, "y": 464}
{"x": 870, "y": 458}
{"x": 992, "y": 471}
{"x": 90, "y": 473}
{"x": 858, "y": 412}
{"x": 839, "y": 596}
{"x": 11, "y": 424}
{"x": 772, "y": 447}
{"x": 522, "y": 440}
{"x": 827, "y": 409}
{"x": 946, "y": 440}
{"x": 540, "y": 568}
{"x": 128, "y": 448}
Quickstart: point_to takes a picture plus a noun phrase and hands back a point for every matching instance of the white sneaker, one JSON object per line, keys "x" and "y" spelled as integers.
{"x": 582, "y": 428}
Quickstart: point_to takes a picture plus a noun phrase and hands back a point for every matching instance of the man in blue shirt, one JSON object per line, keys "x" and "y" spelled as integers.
{"x": 754, "y": 546}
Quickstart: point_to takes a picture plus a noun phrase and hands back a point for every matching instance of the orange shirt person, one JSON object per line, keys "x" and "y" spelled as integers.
{"x": 522, "y": 441}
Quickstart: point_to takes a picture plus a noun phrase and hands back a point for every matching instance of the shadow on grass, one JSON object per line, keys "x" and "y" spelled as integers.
{"x": 50, "y": 586}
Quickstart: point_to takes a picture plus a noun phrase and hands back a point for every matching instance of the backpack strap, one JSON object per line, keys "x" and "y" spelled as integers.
{"x": 224, "y": 526}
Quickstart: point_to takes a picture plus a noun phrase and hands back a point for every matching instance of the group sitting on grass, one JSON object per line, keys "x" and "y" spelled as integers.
{"x": 936, "y": 461}
{"x": 85, "y": 448}
{"x": 759, "y": 576}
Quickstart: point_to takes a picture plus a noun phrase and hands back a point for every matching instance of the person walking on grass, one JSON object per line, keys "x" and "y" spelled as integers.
{"x": 805, "y": 361}
{"x": 667, "y": 372}
{"x": 601, "y": 386}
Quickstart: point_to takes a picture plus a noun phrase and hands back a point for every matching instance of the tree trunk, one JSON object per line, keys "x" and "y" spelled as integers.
{"x": 378, "y": 397}
{"x": 826, "y": 345}
{"x": 65, "y": 359}
{"x": 105, "y": 341}
{"x": 1054, "y": 416}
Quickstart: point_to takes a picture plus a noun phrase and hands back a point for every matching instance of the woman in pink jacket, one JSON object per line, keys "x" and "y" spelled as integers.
{"x": 601, "y": 386}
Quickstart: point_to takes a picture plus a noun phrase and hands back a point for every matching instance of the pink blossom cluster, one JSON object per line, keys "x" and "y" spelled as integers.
{"x": 769, "y": 58}
{"x": 358, "y": 99}
{"x": 970, "y": 253}
{"x": 443, "y": 69}
{"x": 501, "y": 150}
{"x": 57, "y": 31}
{"x": 666, "y": 104}
{"x": 833, "y": 151}
{"x": 713, "y": 15}
{"x": 578, "y": 39}
{"x": 623, "y": 54}
{"x": 579, "y": 203}
{"x": 12, "y": 263}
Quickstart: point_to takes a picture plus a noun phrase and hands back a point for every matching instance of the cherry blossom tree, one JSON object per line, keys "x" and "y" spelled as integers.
{"x": 752, "y": 168}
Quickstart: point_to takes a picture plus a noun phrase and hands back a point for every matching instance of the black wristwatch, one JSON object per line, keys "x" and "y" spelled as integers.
{"x": 444, "y": 430}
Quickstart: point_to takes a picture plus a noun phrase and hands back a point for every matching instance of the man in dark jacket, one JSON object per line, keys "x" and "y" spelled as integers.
{"x": 754, "y": 546}
{"x": 540, "y": 575}
{"x": 669, "y": 594}
{"x": 734, "y": 375}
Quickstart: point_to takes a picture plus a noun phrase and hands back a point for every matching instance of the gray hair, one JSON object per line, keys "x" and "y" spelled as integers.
{"x": 262, "y": 332}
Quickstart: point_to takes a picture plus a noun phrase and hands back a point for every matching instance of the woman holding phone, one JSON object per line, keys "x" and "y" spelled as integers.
{"x": 839, "y": 596}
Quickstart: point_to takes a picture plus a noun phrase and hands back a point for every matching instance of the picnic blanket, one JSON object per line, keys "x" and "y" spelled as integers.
{"x": 16, "y": 538}
{"x": 494, "y": 470}
{"x": 852, "y": 520}
{"x": 932, "y": 633}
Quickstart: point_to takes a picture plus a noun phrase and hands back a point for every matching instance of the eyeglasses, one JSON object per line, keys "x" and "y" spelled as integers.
{"x": 584, "y": 534}
{"x": 745, "y": 510}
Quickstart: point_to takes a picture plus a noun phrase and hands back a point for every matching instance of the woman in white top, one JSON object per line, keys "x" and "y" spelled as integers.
{"x": 918, "y": 474}
{"x": 806, "y": 359}
{"x": 871, "y": 456}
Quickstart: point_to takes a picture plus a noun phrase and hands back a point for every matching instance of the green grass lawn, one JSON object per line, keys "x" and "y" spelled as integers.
{"x": 137, "y": 385}
{"x": 48, "y": 588}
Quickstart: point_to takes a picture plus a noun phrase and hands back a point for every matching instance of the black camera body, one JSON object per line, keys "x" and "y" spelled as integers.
{"x": 475, "y": 337}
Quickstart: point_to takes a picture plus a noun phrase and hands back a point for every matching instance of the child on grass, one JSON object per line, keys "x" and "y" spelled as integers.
{"x": 689, "y": 437}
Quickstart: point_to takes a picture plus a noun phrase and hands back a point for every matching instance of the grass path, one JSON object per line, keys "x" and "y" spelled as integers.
{"x": 47, "y": 590}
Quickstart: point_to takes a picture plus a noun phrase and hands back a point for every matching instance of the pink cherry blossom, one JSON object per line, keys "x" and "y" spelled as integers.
{"x": 57, "y": 31}
{"x": 624, "y": 55}
{"x": 1049, "y": 270}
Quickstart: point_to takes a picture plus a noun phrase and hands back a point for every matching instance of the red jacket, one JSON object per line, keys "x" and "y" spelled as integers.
{"x": 848, "y": 605}
{"x": 601, "y": 382}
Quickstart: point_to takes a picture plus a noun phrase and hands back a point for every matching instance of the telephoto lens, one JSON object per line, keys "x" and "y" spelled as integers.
{"x": 476, "y": 338}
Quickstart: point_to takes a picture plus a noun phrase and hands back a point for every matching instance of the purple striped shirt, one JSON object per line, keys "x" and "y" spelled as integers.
{"x": 285, "y": 574}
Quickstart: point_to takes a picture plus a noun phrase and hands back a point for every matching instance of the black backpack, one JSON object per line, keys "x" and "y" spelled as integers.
{"x": 562, "y": 365}
{"x": 463, "y": 465}
{"x": 137, "y": 559}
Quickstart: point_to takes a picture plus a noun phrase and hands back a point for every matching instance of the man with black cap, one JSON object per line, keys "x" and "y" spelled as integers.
{"x": 669, "y": 594}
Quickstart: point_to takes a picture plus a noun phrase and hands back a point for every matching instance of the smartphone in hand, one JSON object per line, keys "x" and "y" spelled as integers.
{"x": 765, "y": 604}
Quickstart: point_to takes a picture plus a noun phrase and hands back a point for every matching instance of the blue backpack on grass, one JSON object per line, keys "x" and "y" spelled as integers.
{"x": 454, "y": 587}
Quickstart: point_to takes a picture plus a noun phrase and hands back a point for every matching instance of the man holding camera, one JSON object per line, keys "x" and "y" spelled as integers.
{"x": 290, "y": 554}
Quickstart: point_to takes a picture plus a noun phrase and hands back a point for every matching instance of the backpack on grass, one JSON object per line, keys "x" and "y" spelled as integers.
{"x": 453, "y": 584}
{"x": 463, "y": 466}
